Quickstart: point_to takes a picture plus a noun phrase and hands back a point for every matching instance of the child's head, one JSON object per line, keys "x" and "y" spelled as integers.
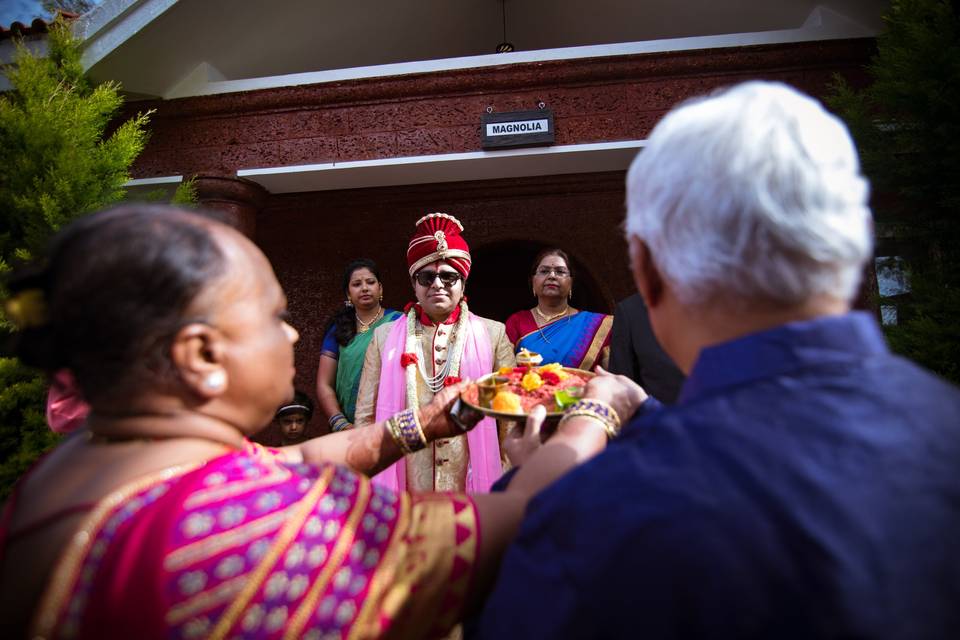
{"x": 294, "y": 416}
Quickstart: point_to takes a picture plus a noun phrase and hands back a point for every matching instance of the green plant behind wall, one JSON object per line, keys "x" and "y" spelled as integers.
{"x": 56, "y": 162}
{"x": 906, "y": 123}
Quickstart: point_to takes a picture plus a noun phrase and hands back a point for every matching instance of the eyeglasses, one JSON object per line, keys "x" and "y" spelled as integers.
{"x": 560, "y": 272}
{"x": 427, "y": 278}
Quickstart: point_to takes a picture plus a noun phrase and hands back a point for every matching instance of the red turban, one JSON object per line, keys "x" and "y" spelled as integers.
{"x": 438, "y": 238}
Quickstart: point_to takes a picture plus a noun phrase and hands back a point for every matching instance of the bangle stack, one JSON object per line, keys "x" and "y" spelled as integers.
{"x": 406, "y": 431}
{"x": 596, "y": 410}
{"x": 339, "y": 422}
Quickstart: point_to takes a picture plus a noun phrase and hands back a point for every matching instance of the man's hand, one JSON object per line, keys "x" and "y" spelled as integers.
{"x": 435, "y": 415}
{"x": 620, "y": 392}
{"x": 519, "y": 447}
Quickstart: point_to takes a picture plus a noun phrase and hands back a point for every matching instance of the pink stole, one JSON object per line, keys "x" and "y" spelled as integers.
{"x": 484, "y": 468}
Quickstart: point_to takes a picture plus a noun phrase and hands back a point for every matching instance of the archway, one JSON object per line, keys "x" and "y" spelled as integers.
{"x": 499, "y": 282}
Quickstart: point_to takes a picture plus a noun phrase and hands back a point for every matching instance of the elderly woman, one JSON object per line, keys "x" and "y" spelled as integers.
{"x": 437, "y": 342}
{"x": 346, "y": 342}
{"x": 159, "y": 518}
{"x": 553, "y": 328}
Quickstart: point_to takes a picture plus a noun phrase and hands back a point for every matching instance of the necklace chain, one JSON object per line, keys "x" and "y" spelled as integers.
{"x": 454, "y": 352}
{"x": 547, "y": 318}
{"x": 365, "y": 326}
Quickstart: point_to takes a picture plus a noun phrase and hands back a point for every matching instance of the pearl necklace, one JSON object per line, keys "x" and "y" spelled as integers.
{"x": 365, "y": 326}
{"x": 450, "y": 368}
{"x": 545, "y": 318}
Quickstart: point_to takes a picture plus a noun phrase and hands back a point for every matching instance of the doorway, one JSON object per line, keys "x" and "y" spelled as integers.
{"x": 499, "y": 282}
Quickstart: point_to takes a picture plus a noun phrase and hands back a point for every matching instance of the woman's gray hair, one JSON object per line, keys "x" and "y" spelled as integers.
{"x": 752, "y": 195}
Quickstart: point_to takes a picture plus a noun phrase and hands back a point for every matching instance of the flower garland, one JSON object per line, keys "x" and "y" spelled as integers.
{"x": 411, "y": 362}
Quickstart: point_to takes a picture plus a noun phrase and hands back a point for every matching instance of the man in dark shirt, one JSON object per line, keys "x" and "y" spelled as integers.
{"x": 635, "y": 352}
{"x": 806, "y": 484}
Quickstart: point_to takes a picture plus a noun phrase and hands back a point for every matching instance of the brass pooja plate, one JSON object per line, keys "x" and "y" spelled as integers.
{"x": 471, "y": 396}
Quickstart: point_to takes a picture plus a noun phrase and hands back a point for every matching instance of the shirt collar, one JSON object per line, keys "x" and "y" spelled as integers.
{"x": 427, "y": 322}
{"x": 830, "y": 339}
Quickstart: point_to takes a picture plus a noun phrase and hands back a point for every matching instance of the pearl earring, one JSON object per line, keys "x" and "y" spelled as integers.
{"x": 215, "y": 381}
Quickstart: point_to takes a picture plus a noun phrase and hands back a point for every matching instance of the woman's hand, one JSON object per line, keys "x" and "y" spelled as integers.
{"x": 620, "y": 392}
{"x": 520, "y": 446}
{"x": 435, "y": 415}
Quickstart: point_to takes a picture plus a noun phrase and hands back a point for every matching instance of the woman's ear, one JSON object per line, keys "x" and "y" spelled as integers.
{"x": 197, "y": 353}
{"x": 646, "y": 275}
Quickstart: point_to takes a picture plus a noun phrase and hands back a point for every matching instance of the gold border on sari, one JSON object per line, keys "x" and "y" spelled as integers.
{"x": 367, "y": 624}
{"x": 421, "y": 584}
{"x": 589, "y": 359}
{"x": 214, "y": 544}
{"x": 280, "y": 544}
{"x": 334, "y": 562}
{"x": 65, "y": 573}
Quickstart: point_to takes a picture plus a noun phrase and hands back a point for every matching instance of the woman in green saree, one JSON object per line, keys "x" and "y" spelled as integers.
{"x": 346, "y": 340}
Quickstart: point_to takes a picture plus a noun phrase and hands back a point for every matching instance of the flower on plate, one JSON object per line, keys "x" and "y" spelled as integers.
{"x": 531, "y": 381}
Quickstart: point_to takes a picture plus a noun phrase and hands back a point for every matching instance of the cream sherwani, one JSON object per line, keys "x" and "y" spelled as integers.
{"x": 442, "y": 466}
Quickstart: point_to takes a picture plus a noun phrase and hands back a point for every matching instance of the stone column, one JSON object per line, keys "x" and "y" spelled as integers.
{"x": 238, "y": 199}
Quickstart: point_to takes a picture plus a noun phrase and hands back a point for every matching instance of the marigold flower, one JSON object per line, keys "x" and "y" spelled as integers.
{"x": 407, "y": 359}
{"x": 531, "y": 381}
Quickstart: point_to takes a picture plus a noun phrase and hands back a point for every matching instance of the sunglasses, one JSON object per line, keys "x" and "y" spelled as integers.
{"x": 426, "y": 278}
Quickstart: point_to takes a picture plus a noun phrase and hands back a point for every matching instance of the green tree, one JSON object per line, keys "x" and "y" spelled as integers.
{"x": 906, "y": 122}
{"x": 57, "y": 162}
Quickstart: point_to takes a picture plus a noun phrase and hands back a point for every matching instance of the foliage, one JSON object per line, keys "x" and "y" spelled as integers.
{"x": 907, "y": 126}
{"x": 24, "y": 434}
{"x": 57, "y": 162}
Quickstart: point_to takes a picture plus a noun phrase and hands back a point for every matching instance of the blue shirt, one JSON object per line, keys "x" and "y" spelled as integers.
{"x": 805, "y": 486}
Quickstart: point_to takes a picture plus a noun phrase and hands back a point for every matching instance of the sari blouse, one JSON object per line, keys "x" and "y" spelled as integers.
{"x": 581, "y": 341}
{"x": 247, "y": 545}
{"x": 349, "y": 359}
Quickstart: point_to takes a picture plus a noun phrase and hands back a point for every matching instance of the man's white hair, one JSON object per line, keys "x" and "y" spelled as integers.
{"x": 752, "y": 195}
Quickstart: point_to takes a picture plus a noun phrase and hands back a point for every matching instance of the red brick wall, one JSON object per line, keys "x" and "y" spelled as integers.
{"x": 600, "y": 99}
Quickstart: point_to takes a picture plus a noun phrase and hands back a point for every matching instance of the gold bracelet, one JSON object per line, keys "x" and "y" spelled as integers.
{"x": 597, "y": 410}
{"x": 391, "y": 428}
{"x": 404, "y": 427}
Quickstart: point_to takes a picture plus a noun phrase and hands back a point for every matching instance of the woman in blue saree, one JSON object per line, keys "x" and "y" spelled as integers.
{"x": 553, "y": 328}
{"x": 346, "y": 341}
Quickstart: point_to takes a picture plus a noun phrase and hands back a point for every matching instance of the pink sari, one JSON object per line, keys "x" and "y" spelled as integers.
{"x": 477, "y": 360}
{"x": 247, "y": 545}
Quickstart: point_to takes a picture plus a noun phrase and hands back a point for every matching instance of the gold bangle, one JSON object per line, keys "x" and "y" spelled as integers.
{"x": 391, "y": 426}
{"x": 597, "y": 410}
{"x": 404, "y": 427}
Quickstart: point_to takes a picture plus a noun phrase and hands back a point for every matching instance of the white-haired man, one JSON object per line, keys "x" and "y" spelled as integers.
{"x": 806, "y": 484}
